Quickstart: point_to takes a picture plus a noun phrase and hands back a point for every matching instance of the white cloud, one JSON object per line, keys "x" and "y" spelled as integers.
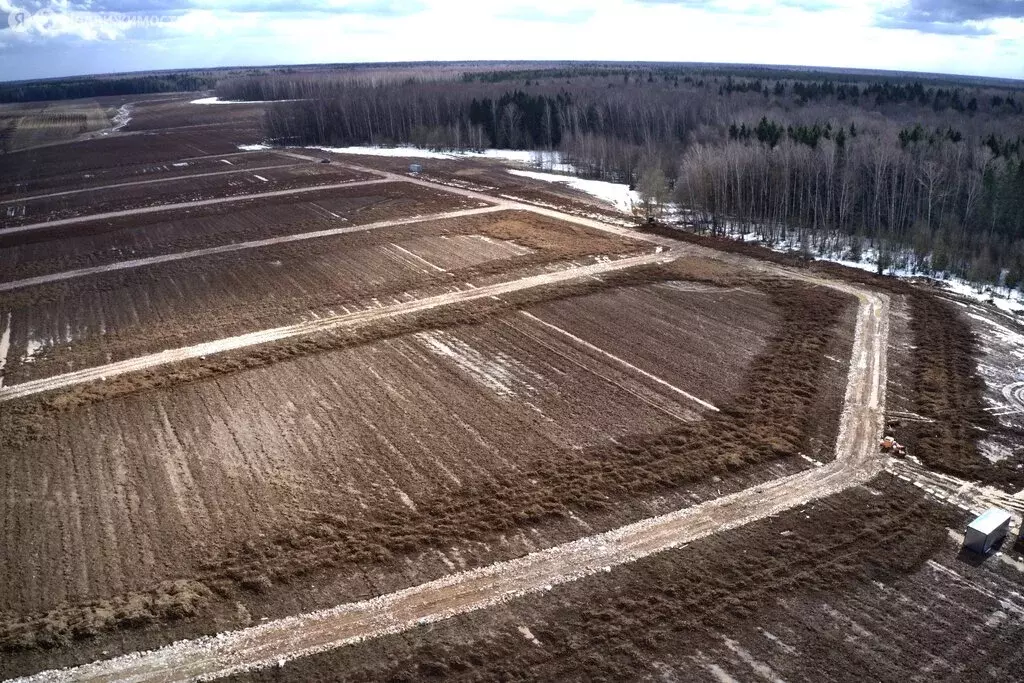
{"x": 806, "y": 32}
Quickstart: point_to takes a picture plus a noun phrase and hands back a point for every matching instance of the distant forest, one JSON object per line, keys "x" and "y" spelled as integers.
{"x": 98, "y": 86}
{"x": 929, "y": 173}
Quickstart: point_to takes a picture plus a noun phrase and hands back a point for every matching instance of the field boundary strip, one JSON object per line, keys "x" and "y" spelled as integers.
{"x": 102, "y": 372}
{"x": 384, "y": 177}
{"x": 134, "y": 183}
{"x": 276, "y": 642}
{"x": 60, "y": 222}
{"x": 239, "y": 246}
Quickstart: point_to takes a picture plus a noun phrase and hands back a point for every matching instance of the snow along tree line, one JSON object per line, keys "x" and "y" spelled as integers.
{"x": 929, "y": 175}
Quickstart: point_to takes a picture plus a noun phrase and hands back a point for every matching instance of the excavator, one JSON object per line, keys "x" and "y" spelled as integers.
{"x": 891, "y": 445}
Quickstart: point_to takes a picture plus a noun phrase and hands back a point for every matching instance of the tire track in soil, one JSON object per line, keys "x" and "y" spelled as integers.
{"x": 278, "y": 641}
{"x": 133, "y": 183}
{"x": 160, "y": 208}
{"x": 240, "y": 246}
{"x": 101, "y": 372}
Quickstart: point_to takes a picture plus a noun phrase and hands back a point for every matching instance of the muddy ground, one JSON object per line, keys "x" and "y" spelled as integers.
{"x": 279, "y": 174}
{"x": 298, "y": 475}
{"x": 104, "y": 318}
{"x": 99, "y": 243}
{"x": 131, "y": 171}
{"x": 864, "y": 585}
{"x": 538, "y": 502}
{"x": 949, "y": 371}
{"x": 29, "y": 170}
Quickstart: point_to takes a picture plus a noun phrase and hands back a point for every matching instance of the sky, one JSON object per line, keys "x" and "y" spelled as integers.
{"x": 48, "y": 38}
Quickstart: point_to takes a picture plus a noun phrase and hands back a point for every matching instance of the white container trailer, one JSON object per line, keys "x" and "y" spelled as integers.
{"x": 987, "y": 530}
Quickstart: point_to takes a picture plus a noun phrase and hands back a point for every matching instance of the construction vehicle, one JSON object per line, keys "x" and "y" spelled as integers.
{"x": 891, "y": 445}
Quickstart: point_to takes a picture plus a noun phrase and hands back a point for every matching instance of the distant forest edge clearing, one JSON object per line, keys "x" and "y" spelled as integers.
{"x": 921, "y": 172}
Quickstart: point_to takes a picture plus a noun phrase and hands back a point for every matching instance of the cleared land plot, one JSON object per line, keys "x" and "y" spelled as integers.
{"x": 865, "y": 585}
{"x": 180, "y": 112}
{"x": 38, "y": 123}
{"x": 125, "y": 493}
{"x": 154, "y": 173}
{"x": 112, "y": 317}
{"x": 100, "y": 243}
{"x": 279, "y": 174}
{"x": 29, "y": 166}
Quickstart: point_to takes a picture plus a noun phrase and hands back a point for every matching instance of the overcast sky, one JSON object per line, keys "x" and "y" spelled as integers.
{"x": 43, "y": 38}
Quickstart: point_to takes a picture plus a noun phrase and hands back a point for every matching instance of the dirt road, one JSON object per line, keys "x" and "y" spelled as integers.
{"x": 185, "y": 205}
{"x": 278, "y": 641}
{"x": 101, "y": 188}
{"x": 237, "y": 246}
{"x": 101, "y": 372}
{"x": 495, "y": 204}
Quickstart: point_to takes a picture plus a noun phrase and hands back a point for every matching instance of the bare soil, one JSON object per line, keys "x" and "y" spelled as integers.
{"x": 939, "y": 381}
{"x": 24, "y": 169}
{"x": 99, "y": 243}
{"x": 114, "y": 316}
{"x": 131, "y": 171}
{"x": 768, "y": 420}
{"x": 824, "y": 592}
{"x": 289, "y": 175}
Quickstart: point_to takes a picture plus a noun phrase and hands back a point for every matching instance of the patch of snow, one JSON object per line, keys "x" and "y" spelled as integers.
{"x": 121, "y": 119}
{"x": 905, "y": 264}
{"x": 5, "y": 345}
{"x": 542, "y": 159}
{"x": 180, "y": 164}
{"x": 217, "y": 100}
{"x": 33, "y": 347}
{"x": 1004, "y": 334}
{"x": 253, "y": 148}
{"x": 617, "y": 194}
{"x": 260, "y": 178}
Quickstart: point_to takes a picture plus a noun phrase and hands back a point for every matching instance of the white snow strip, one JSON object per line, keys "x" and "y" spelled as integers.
{"x": 227, "y": 162}
{"x": 5, "y": 346}
{"x": 122, "y": 118}
{"x": 253, "y": 148}
{"x": 542, "y": 159}
{"x": 617, "y": 194}
{"x": 261, "y": 178}
{"x": 217, "y": 100}
{"x": 494, "y": 372}
{"x": 625, "y": 363}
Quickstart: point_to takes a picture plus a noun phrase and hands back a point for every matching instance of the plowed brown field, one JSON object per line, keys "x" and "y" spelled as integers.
{"x": 130, "y": 492}
{"x": 110, "y": 317}
{"x": 100, "y": 243}
{"x": 279, "y": 174}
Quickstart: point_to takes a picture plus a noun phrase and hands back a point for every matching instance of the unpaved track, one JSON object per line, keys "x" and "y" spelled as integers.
{"x": 238, "y": 246}
{"x": 133, "y": 183}
{"x": 268, "y": 644}
{"x": 494, "y": 204}
{"x": 965, "y": 494}
{"x": 185, "y": 205}
{"x": 325, "y": 324}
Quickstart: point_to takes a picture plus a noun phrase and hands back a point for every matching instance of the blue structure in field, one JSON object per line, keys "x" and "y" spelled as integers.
{"x": 415, "y": 169}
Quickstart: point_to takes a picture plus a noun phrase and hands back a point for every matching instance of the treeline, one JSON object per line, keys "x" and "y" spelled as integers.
{"x": 607, "y": 131}
{"x": 76, "y": 88}
{"x": 932, "y": 205}
{"x": 830, "y": 164}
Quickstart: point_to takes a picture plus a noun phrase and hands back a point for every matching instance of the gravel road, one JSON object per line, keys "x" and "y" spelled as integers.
{"x": 277, "y": 641}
